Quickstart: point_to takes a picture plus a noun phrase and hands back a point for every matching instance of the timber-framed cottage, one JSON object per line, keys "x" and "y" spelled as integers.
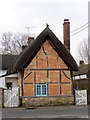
{"x": 45, "y": 69}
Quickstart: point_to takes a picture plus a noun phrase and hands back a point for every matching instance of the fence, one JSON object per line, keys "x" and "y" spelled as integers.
{"x": 11, "y": 97}
{"x": 81, "y": 97}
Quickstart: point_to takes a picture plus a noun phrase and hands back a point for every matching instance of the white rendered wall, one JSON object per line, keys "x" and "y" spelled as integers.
{"x": 11, "y": 78}
{"x": 2, "y": 80}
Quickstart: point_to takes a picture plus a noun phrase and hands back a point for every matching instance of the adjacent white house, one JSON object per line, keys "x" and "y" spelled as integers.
{"x": 10, "y": 81}
{"x": 83, "y": 71}
{"x": 81, "y": 77}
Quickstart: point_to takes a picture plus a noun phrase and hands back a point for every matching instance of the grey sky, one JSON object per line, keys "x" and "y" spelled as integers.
{"x": 15, "y": 15}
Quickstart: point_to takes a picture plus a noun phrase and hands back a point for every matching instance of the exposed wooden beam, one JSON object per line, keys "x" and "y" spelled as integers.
{"x": 48, "y": 69}
{"x": 27, "y": 75}
{"x": 60, "y": 83}
{"x": 34, "y": 83}
{"x": 22, "y": 93}
{"x": 22, "y": 76}
{"x": 47, "y": 77}
{"x": 72, "y": 90}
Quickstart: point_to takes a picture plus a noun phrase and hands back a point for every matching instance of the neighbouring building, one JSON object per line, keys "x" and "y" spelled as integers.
{"x": 9, "y": 81}
{"x": 81, "y": 76}
{"x": 45, "y": 70}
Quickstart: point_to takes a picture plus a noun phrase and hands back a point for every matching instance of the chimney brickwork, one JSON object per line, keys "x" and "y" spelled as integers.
{"x": 23, "y": 47}
{"x": 81, "y": 62}
{"x": 66, "y": 33}
{"x": 30, "y": 40}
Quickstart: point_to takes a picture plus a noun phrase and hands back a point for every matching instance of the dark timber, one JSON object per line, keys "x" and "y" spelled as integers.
{"x": 22, "y": 76}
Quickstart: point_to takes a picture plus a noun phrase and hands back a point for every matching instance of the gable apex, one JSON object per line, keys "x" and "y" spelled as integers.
{"x": 28, "y": 54}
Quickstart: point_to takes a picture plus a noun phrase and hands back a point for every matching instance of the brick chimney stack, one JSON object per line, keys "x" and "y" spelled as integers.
{"x": 30, "y": 40}
{"x": 66, "y": 33}
{"x": 23, "y": 47}
{"x": 81, "y": 62}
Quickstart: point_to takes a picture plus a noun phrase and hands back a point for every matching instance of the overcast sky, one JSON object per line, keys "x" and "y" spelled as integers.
{"x": 15, "y": 15}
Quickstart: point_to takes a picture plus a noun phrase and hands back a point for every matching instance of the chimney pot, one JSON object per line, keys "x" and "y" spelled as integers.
{"x": 66, "y": 20}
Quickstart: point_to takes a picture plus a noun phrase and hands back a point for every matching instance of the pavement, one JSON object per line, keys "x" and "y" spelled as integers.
{"x": 0, "y": 113}
{"x": 47, "y": 112}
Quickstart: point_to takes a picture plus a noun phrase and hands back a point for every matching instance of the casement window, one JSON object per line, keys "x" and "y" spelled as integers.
{"x": 41, "y": 90}
{"x": 9, "y": 85}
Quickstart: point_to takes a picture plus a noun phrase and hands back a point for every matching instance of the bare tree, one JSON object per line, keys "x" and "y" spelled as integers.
{"x": 12, "y": 42}
{"x": 84, "y": 51}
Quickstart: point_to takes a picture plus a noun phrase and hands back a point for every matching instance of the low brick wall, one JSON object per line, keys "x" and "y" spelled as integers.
{"x": 49, "y": 101}
{"x": 1, "y": 97}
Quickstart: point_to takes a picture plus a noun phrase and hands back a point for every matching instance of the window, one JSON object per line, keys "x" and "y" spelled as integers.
{"x": 41, "y": 90}
{"x": 9, "y": 85}
{"x": 83, "y": 76}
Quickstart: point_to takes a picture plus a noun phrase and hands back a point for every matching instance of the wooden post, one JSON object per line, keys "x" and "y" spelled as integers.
{"x": 72, "y": 81}
{"x": 34, "y": 82}
{"x": 73, "y": 91}
{"x": 47, "y": 77}
{"x": 60, "y": 83}
{"x": 22, "y": 92}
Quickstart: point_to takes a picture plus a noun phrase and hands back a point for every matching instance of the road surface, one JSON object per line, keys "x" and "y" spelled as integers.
{"x": 50, "y": 112}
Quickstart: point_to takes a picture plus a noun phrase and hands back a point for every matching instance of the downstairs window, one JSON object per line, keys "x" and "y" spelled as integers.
{"x": 41, "y": 90}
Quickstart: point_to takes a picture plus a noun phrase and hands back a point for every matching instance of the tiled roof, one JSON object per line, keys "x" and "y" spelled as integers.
{"x": 6, "y": 61}
{"x": 83, "y": 69}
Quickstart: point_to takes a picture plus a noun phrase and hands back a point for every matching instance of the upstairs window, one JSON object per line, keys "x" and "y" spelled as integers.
{"x": 9, "y": 85}
{"x": 41, "y": 90}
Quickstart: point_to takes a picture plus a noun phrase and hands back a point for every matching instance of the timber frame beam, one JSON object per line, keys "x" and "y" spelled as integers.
{"x": 48, "y": 69}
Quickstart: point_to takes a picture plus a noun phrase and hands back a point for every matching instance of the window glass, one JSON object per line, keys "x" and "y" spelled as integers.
{"x": 43, "y": 89}
{"x": 38, "y": 89}
{"x": 9, "y": 85}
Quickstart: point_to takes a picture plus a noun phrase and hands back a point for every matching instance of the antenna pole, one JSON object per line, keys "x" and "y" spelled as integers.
{"x": 28, "y": 30}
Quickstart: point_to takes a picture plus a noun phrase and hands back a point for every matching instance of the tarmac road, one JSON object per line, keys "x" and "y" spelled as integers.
{"x": 50, "y": 112}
